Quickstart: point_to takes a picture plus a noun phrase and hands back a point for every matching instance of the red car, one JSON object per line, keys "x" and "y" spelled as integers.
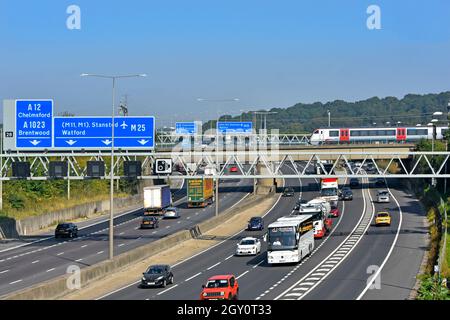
{"x": 335, "y": 212}
{"x": 233, "y": 169}
{"x": 222, "y": 287}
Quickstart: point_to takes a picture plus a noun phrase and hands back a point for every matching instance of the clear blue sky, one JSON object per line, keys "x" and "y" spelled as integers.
{"x": 266, "y": 53}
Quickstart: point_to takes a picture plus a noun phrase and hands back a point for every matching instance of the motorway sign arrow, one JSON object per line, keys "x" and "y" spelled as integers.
{"x": 35, "y": 142}
{"x": 71, "y": 142}
{"x": 142, "y": 141}
{"x": 107, "y": 142}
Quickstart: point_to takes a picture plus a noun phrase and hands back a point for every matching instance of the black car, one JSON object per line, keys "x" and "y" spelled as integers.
{"x": 255, "y": 223}
{"x": 66, "y": 229}
{"x": 157, "y": 276}
{"x": 354, "y": 182}
{"x": 347, "y": 194}
{"x": 299, "y": 203}
{"x": 149, "y": 222}
{"x": 288, "y": 192}
{"x": 380, "y": 182}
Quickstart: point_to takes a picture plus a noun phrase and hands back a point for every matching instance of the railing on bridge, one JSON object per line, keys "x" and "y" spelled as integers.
{"x": 250, "y": 164}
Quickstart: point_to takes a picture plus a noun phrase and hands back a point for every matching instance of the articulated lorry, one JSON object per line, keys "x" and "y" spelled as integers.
{"x": 200, "y": 192}
{"x": 157, "y": 199}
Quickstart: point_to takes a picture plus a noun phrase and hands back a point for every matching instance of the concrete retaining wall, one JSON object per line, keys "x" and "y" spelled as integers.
{"x": 11, "y": 228}
{"x": 56, "y": 288}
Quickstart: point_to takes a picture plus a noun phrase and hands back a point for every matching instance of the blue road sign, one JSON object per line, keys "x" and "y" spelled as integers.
{"x": 235, "y": 127}
{"x": 34, "y": 123}
{"x": 95, "y": 132}
{"x": 185, "y": 128}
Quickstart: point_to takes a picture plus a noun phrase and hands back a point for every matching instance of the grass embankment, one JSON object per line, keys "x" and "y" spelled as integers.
{"x": 429, "y": 287}
{"x": 22, "y": 199}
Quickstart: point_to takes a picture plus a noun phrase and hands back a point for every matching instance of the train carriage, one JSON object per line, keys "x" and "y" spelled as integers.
{"x": 372, "y": 135}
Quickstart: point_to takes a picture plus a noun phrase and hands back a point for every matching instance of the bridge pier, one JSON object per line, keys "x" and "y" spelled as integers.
{"x": 264, "y": 186}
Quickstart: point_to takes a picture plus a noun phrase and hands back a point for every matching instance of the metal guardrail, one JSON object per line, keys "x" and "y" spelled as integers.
{"x": 250, "y": 164}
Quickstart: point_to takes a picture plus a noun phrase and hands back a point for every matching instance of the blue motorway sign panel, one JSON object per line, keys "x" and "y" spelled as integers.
{"x": 235, "y": 127}
{"x": 95, "y": 132}
{"x": 185, "y": 128}
{"x": 34, "y": 123}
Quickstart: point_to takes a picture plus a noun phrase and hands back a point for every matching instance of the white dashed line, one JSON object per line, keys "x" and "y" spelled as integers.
{"x": 121, "y": 244}
{"x": 78, "y": 260}
{"x": 167, "y": 289}
{"x": 195, "y": 275}
{"x": 84, "y": 246}
{"x": 229, "y": 257}
{"x": 100, "y": 252}
{"x": 50, "y": 270}
{"x": 213, "y": 266}
{"x": 14, "y": 282}
{"x": 241, "y": 275}
{"x": 4, "y": 271}
{"x": 35, "y": 261}
{"x": 60, "y": 253}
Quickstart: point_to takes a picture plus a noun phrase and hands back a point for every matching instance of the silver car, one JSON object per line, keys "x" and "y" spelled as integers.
{"x": 171, "y": 213}
{"x": 383, "y": 196}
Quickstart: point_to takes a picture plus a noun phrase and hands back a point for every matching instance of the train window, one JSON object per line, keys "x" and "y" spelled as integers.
{"x": 390, "y": 132}
{"x": 417, "y": 132}
{"x": 355, "y": 133}
{"x": 381, "y": 132}
{"x": 373, "y": 132}
{"x": 334, "y": 133}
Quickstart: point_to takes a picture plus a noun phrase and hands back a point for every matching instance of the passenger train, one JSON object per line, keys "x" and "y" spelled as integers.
{"x": 371, "y": 135}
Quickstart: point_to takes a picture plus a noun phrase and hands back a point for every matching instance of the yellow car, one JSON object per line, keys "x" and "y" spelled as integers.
{"x": 383, "y": 218}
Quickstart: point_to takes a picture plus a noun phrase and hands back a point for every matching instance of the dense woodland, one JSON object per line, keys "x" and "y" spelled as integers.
{"x": 410, "y": 110}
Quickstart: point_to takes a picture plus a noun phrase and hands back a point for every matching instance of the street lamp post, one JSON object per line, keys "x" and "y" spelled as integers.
{"x": 329, "y": 118}
{"x": 111, "y": 194}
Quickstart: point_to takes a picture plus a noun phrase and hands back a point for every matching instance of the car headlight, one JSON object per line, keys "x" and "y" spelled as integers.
{"x": 204, "y": 294}
{"x": 143, "y": 278}
{"x": 160, "y": 278}
{"x": 222, "y": 293}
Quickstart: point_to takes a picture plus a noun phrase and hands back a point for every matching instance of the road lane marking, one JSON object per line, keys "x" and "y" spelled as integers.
{"x": 242, "y": 274}
{"x": 100, "y": 252}
{"x": 50, "y": 270}
{"x": 364, "y": 220}
{"x": 229, "y": 257}
{"x": 121, "y": 244}
{"x": 214, "y": 266}
{"x": 202, "y": 252}
{"x": 121, "y": 233}
{"x": 375, "y": 276}
{"x": 78, "y": 260}
{"x": 167, "y": 289}
{"x": 84, "y": 246}
{"x": 258, "y": 264}
{"x": 17, "y": 281}
{"x": 60, "y": 253}
{"x": 4, "y": 271}
{"x": 195, "y": 275}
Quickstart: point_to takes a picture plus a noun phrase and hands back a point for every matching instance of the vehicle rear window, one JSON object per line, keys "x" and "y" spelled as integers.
{"x": 383, "y": 215}
{"x": 64, "y": 225}
{"x": 247, "y": 242}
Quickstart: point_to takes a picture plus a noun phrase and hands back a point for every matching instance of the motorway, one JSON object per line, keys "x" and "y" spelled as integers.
{"x": 338, "y": 268}
{"x": 23, "y": 266}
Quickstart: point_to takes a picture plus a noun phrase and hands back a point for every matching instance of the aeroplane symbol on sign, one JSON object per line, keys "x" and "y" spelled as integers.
{"x": 124, "y": 125}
